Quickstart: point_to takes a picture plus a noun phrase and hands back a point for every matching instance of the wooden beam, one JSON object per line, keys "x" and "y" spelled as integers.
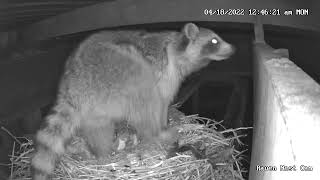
{"x": 29, "y": 11}
{"x": 47, "y": 3}
{"x": 131, "y": 12}
{"x": 258, "y": 30}
{"x": 31, "y": 15}
{"x": 286, "y": 113}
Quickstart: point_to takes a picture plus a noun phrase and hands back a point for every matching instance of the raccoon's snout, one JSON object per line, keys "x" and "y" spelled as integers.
{"x": 232, "y": 51}
{"x": 226, "y": 50}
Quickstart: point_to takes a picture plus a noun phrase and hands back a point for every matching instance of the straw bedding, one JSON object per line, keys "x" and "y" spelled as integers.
{"x": 208, "y": 153}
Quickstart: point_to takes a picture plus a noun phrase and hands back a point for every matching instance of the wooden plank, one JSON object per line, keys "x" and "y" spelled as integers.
{"x": 29, "y": 11}
{"x": 258, "y": 30}
{"x": 31, "y": 15}
{"x": 129, "y": 12}
{"x": 47, "y": 3}
{"x": 286, "y": 113}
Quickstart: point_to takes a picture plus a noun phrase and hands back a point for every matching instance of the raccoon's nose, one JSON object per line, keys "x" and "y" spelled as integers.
{"x": 227, "y": 50}
{"x": 232, "y": 50}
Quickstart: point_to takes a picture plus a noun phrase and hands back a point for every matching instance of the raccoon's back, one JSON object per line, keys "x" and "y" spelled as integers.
{"x": 152, "y": 46}
{"x": 99, "y": 69}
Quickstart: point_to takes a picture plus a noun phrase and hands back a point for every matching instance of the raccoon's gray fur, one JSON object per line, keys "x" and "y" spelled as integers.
{"x": 116, "y": 75}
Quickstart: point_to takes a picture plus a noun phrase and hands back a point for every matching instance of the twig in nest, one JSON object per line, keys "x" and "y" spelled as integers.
{"x": 8, "y": 132}
{"x": 12, "y": 154}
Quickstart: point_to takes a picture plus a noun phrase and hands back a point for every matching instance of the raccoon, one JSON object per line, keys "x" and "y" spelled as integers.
{"x": 117, "y": 75}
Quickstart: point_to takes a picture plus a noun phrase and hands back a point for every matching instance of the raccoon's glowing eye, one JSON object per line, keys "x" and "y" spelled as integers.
{"x": 214, "y": 41}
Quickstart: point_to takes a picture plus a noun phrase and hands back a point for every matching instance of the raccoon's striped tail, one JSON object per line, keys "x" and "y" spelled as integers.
{"x": 51, "y": 141}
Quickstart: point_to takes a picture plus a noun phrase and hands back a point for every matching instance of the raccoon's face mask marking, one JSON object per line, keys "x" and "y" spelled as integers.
{"x": 217, "y": 49}
{"x": 212, "y": 46}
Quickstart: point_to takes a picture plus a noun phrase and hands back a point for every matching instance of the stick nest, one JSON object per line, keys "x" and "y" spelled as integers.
{"x": 220, "y": 161}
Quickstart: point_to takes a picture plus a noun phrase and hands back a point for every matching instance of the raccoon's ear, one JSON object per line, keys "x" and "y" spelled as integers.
{"x": 191, "y": 31}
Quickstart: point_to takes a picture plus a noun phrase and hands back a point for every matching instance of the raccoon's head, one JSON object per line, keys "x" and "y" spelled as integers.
{"x": 202, "y": 43}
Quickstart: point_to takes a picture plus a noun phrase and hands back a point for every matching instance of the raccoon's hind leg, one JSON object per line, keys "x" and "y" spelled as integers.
{"x": 146, "y": 113}
{"x": 164, "y": 115}
{"x": 149, "y": 117}
{"x": 168, "y": 135}
{"x": 52, "y": 139}
{"x": 99, "y": 138}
